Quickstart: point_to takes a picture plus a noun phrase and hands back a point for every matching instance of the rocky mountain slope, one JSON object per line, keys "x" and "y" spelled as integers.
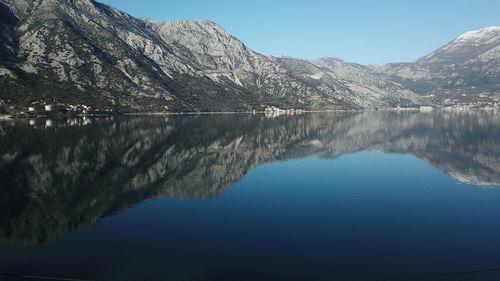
{"x": 82, "y": 52}
{"x": 86, "y": 52}
{"x": 365, "y": 89}
{"x": 58, "y": 181}
{"x": 467, "y": 69}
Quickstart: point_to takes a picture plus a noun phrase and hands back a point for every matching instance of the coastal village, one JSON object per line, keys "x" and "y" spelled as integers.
{"x": 43, "y": 108}
{"x": 54, "y": 109}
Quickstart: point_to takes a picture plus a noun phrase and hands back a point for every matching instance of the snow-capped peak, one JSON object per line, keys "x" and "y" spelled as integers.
{"x": 476, "y": 35}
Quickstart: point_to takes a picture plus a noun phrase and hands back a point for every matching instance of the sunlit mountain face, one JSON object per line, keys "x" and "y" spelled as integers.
{"x": 62, "y": 176}
{"x": 85, "y": 53}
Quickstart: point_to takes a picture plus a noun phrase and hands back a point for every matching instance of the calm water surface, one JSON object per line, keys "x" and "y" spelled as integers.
{"x": 330, "y": 196}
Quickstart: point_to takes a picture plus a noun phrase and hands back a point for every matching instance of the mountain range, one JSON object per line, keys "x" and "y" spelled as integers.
{"x": 82, "y": 52}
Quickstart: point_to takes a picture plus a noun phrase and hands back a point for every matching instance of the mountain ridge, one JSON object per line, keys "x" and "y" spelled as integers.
{"x": 466, "y": 69}
{"x": 88, "y": 53}
{"x": 96, "y": 54}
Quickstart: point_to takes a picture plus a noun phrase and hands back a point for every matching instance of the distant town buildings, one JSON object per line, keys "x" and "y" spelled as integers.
{"x": 272, "y": 111}
{"x": 426, "y": 108}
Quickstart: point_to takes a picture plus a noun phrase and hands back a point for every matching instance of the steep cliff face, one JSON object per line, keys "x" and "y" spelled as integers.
{"x": 462, "y": 70}
{"x": 87, "y": 52}
{"x": 56, "y": 182}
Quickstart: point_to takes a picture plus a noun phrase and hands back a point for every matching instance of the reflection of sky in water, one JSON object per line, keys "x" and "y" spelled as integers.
{"x": 348, "y": 215}
{"x": 364, "y": 215}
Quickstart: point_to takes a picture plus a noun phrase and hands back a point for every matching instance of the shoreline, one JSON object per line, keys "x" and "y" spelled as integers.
{"x": 6, "y": 117}
{"x": 283, "y": 112}
{"x": 60, "y": 115}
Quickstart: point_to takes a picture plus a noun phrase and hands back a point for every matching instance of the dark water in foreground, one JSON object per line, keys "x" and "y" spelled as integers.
{"x": 338, "y": 196}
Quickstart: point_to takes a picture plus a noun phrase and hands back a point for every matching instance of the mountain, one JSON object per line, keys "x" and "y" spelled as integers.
{"x": 467, "y": 69}
{"x": 81, "y": 53}
{"x": 365, "y": 89}
{"x": 63, "y": 179}
{"x": 84, "y": 52}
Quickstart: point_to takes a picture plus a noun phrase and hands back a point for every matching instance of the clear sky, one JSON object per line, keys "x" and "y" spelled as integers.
{"x": 363, "y": 31}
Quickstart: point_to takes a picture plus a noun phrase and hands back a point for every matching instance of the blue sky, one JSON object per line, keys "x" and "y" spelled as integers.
{"x": 363, "y": 31}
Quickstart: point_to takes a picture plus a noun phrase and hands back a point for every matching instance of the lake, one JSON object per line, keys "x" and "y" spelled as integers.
{"x": 376, "y": 195}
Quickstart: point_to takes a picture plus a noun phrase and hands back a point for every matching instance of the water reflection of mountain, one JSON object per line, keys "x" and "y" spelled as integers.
{"x": 62, "y": 179}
